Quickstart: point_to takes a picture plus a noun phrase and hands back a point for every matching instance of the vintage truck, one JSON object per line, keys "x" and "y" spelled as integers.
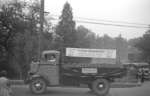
{"x": 50, "y": 71}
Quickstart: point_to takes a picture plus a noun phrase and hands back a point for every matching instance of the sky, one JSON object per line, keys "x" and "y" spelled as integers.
{"x": 132, "y": 11}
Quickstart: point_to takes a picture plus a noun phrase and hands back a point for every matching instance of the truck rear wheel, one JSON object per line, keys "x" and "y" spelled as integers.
{"x": 38, "y": 86}
{"x": 100, "y": 87}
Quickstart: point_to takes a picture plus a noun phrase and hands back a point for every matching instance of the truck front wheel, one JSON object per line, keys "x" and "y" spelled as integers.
{"x": 100, "y": 87}
{"x": 38, "y": 86}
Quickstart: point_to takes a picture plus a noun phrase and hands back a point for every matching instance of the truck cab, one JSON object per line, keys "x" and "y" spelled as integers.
{"x": 44, "y": 72}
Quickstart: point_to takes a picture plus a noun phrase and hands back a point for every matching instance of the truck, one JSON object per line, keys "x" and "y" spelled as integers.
{"x": 50, "y": 71}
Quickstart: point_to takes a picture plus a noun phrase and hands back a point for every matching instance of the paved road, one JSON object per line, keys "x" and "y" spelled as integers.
{"x": 143, "y": 90}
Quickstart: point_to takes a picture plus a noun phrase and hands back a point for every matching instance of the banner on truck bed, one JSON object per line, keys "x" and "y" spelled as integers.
{"x": 91, "y": 53}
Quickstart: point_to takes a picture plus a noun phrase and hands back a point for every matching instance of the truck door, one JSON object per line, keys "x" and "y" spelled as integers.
{"x": 50, "y": 68}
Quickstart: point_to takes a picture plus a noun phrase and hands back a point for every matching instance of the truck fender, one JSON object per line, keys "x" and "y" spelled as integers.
{"x": 39, "y": 76}
{"x": 35, "y": 76}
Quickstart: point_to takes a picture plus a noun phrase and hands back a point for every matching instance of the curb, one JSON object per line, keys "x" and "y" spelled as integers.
{"x": 125, "y": 85}
{"x": 17, "y": 82}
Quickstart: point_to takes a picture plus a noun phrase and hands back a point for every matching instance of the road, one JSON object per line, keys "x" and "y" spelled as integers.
{"x": 144, "y": 90}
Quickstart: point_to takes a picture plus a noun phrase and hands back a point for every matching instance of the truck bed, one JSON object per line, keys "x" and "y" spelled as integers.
{"x": 115, "y": 70}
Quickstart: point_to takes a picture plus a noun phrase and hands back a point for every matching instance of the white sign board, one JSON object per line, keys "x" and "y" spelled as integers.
{"x": 91, "y": 53}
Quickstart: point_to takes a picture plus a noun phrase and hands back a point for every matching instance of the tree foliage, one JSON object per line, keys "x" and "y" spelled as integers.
{"x": 143, "y": 45}
{"x": 12, "y": 23}
{"x": 66, "y": 31}
{"x": 19, "y": 36}
{"x": 83, "y": 37}
{"x": 66, "y": 27}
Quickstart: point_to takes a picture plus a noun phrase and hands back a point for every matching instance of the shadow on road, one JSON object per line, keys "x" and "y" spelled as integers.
{"x": 143, "y": 90}
{"x": 23, "y": 91}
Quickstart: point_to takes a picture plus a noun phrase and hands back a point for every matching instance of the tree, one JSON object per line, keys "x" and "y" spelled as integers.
{"x": 19, "y": 36}
{"x": 143, "y": 45}
{"x": 134, "y": 54}
{"x": 12, "y": 22}
{"x": 83, "y": 37}
{"x": 66, "y": 31}
{"x": 66, "y": 27}
{"x": 121, "y": 49}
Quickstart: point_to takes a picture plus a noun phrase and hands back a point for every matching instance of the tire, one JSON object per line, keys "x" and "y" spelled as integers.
{"x": 38, "y": 86}
{"x": 100, "y": 87}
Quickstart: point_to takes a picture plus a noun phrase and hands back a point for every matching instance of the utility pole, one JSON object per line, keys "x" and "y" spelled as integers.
{"x": 41, "y": 27}
{"x": 118, "y": 45}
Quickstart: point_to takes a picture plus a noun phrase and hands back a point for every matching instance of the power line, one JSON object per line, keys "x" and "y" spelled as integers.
{"x": 135, "y": 23}
{"x": 119, "y": 25}
{"x": 108, "y": 21}
{"x": 109, "y": 24}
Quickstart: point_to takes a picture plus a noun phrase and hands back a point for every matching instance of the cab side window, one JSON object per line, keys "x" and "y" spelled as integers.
{"x": 50, "y": 57}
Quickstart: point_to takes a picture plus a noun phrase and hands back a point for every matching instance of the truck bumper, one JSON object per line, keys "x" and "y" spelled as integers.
{"x": 28, "y": 79}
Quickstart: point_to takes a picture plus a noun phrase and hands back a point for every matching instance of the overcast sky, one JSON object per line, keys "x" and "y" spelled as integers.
{"x": 133, "y": 11}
